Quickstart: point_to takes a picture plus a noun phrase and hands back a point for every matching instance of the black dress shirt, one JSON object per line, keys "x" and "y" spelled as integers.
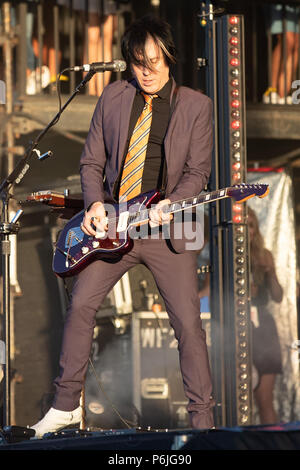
{"x": 154, "y": 162}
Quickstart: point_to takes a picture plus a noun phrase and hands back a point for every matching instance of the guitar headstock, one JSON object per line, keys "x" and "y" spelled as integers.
{"x": 48, "y": 197}
{"x": 242, "y": 192}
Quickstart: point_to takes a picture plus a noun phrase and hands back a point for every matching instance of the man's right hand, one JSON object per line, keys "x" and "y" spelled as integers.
{"x": 95, "y": 216}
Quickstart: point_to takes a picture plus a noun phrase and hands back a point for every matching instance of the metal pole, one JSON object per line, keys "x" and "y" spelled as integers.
{"x": 71, "y": 19}
{"x": 5, "y": 241}
{"x": 5, "y": 247}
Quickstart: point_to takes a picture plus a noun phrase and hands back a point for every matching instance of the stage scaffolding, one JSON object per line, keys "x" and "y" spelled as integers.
{"x": 224, "y": 66}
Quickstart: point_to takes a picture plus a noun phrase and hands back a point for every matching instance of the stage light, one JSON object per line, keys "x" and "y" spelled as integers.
{"x": 244, "y": 408}
{"x": 241, "y": 292}
{"x": 235, "y": 124}
{"x": 234, "y": 51}
{"x": 234, "y": 20}
{"x": 236, "y": 134}
{"x": 235, "y": 114}
{"x": 234, "y": 41}
{"x": 236, "y": 166}
{"x": 235, "y": 93}
{"x": 237, "y": 156}
{"x": 244, "y": 397}
{"x": 234, "y": 62}
{"x": 241, "y": 313}
{"x": 235, "y": 143}
{"x": 237, "y": 208}
{"x": 237, "y": 219}
{"x": 235, "y": 104}
{"x": 236, "y": 178}
{"x": 240, "y": 271}
{"x": 234, "y": 30}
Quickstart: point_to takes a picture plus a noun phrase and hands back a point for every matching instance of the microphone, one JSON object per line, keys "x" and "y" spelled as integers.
{"x": 115, "y": 66}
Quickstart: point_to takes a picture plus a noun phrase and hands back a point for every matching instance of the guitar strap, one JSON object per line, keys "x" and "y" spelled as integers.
{"x": 163, "y": 178}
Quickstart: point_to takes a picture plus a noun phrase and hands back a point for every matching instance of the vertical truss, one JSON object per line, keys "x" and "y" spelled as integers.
{"x": 229, "y": 244}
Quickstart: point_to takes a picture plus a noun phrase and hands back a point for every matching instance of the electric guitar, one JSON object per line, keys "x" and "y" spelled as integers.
{"x": 74, "y": 249}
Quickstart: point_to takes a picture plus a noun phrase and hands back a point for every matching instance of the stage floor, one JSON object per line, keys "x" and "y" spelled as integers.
{"x": 275, "y": 437}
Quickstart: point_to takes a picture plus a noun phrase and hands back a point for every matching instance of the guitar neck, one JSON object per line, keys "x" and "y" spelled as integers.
{"x": 181, "y": 205}
{"x": 188, "y": 203}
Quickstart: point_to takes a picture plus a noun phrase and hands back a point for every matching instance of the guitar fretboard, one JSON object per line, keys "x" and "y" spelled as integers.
{"x": 195, "y": 201}
{"x": 181, "y": 205}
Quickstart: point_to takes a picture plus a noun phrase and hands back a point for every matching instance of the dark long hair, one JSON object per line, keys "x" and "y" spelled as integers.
{"x": 135, "y": 37}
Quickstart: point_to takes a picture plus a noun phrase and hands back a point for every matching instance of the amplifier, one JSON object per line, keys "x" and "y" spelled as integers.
{"x": 158, "y": 393}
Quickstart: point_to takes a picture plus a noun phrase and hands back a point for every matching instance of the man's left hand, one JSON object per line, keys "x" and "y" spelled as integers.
{"x": 158, "y": 216}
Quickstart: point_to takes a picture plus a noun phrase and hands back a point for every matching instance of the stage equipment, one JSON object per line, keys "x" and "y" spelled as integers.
{"x": 158, "y": 393}
{"x": 230, "y": 308}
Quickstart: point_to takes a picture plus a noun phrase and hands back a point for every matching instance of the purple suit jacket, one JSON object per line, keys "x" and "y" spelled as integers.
{"x": 188, "y": 144}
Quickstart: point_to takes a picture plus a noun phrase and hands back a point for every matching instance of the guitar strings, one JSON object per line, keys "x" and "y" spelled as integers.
{"x": 189, "y": 206}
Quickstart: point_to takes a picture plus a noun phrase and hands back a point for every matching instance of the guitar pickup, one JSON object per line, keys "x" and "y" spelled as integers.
{"x": 122, "y": 223}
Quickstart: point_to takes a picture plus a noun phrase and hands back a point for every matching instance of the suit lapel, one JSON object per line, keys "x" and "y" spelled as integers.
{"x": 168, "y": 138}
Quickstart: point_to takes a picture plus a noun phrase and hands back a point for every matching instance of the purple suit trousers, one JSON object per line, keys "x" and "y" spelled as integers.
{"x": 176, "y": 278}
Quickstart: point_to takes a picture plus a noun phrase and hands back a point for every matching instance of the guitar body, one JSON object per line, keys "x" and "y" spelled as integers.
{"x": 75, "y": 250}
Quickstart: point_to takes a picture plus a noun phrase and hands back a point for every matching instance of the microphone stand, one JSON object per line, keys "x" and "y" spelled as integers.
{"x": 8, "y": 228}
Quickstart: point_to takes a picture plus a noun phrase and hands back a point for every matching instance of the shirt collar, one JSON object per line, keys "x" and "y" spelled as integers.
{"x": 164, "y": 92}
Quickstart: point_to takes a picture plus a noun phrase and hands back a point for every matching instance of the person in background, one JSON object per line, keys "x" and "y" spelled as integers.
{"x": 37, "y": 78}
{"x": 283, "y": 72}
{"x": 101, "y": 18}
{"x": 266, "y": 350}
{"x": 266, "y": 353}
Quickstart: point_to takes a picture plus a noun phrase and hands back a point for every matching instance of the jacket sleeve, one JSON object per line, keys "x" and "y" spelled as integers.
{"x": 93, "y": 159}
{"x": 197, "y": 165}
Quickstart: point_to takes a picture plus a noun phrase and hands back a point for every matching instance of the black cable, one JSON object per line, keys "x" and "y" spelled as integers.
{"x": 127, "y": 423}
{"x": 58, "y": 91}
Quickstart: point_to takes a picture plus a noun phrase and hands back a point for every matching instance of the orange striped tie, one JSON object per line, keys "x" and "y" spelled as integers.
{"x": 131, "y": 181}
